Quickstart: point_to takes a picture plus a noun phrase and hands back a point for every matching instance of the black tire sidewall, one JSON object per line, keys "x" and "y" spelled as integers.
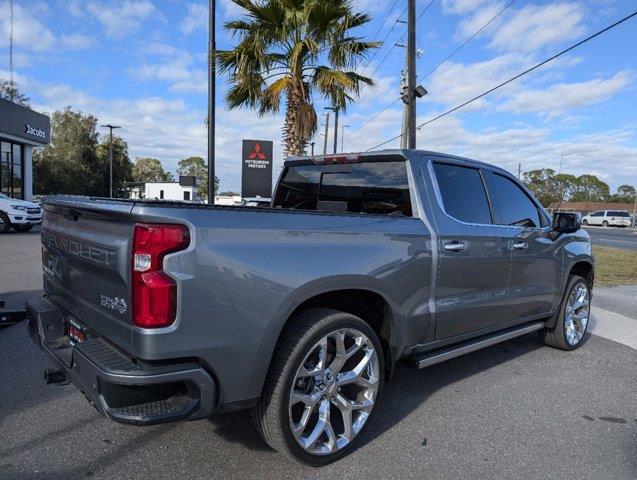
{"x": 574, "y": 280}
{"x": 340, "y": 320}
{"x": 6, "y": 225}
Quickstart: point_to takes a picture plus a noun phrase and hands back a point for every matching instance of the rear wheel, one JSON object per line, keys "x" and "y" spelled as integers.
{"x": 23, "y": 228}
{"x": 322, "y": 387}
{"x": 5, "y": 224}
{"x": 573, "y": 317}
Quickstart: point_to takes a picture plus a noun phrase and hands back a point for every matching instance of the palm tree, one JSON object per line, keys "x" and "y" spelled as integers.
{"x": 295, "y": 48}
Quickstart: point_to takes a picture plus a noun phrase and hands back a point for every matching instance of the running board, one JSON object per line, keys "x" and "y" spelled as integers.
{"x": 437, "y": 356}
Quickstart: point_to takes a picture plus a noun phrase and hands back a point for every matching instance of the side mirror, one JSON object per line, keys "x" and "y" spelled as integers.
{"x": 566, "y": 222}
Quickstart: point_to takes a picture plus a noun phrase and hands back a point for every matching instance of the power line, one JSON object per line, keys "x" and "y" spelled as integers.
{"x": 377, "y": 114}
{"x": 462, "y": 45}
{"x": 387, "y": 54}
{"x": 386, "y": 17}
{"x": 383, "y": 42}
{"x": 506, "y": 82}
{"x": 425, "y": 9}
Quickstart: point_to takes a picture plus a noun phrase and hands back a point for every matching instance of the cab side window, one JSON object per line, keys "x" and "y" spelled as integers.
{"x": 511, "y": 205}
{"x": 463, "y": 194}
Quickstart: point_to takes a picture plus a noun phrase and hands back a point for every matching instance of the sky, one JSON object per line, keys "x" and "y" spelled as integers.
{"x": 141, "y": 64}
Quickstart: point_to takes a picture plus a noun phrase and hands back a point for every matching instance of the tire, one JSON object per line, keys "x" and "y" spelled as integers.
{"x": 584, "y": 222}
{"x": 605, "y": 224}
{"x": 5, "y": 223}
{"x": 561, "y": 336}
{"x": 297, "y": 356}
{"x": 23, "y": 228}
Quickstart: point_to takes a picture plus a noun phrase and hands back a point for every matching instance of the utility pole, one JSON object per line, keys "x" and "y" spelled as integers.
{"x": 212, "y": 73}
{"x": 335, "y": 110}
{"x": 327, "y": 128}
{"x": 312, "y": 145}
{"x": 411, "y": 73}
{"x": 635, "y": 212}
{"x": 343, "y": 137}
{"x": 404, "y": 135}
{"x": 110, "y": 155}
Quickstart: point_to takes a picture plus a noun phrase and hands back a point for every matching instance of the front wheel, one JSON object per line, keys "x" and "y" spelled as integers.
{"x": 584, "y": 222}
{"x": 5, "y": 223}
{"x": 572, "y": 320}
{"x": 605, "y": 224}
{"x": 322, "y": 387}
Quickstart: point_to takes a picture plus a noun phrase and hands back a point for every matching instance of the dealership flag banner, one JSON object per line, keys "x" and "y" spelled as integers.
{"x": 256, "y": 171}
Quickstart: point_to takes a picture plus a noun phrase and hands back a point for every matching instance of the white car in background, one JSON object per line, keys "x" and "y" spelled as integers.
{"x": 608, "y": 218}
{"x": 19, "y": 214}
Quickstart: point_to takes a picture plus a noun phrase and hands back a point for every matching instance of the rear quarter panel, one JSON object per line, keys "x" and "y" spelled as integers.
{"x": 248, "y": 269}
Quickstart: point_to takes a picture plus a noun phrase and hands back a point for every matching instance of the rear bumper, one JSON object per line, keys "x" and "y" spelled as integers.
{"x": 123, "y": 389}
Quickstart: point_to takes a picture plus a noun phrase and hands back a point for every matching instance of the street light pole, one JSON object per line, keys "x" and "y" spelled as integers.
{"x": 212, "y": 72}
{"x": 110, "y": 155}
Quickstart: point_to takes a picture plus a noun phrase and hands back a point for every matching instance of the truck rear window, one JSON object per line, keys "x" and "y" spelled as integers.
{"x": 379, "y": 188}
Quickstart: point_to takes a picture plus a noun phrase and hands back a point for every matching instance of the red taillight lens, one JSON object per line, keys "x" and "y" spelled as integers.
{"x": 154, "y": 293}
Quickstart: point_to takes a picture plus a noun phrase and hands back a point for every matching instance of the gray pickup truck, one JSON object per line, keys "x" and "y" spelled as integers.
{"x": 159, "y": 311}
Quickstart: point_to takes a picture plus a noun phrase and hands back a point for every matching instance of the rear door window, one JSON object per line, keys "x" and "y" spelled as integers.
{"x": 373, "y": 188}
{"x": 463, "y": 193}
{"x": 511, "y": 205}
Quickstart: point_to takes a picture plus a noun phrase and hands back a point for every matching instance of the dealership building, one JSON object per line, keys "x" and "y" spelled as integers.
{"x": 21, "y": 129}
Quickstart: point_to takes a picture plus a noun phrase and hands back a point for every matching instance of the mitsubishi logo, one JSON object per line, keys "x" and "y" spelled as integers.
{"x": 257, "y": 153}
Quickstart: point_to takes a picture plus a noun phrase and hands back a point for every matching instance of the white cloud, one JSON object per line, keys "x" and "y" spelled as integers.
{"x": 536, "y": 26}
{"x": 231, "y": 9}
{"x": 461, "y": 7}
{"x": 455, "y": 83}
{"x": 177, "y": 67}
{"x": 612, "y": 154}
{"x": 562, "y": 97}
{"x": 76, "y": 41}
{"x": 122, "y": 18}
{"x": 29, "y": 33}
{"x": 196, "y": 19}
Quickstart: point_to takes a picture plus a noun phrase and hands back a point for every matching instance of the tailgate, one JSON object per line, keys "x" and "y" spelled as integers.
{"x": 86, "y": 251}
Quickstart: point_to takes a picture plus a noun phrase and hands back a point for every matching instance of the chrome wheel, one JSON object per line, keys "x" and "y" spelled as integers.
{"x": 576, "y": 314}
{"x": 334, "y": 391}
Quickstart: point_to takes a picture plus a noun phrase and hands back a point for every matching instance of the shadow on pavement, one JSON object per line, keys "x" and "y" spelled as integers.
{"x": 402, "y": 395}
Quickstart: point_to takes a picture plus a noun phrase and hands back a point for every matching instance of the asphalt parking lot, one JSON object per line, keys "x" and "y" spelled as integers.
{"x": 515, "y": 410}
{"x": 624, "y": 238}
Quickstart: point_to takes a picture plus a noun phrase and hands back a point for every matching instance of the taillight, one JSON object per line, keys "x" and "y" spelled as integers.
{"x": 154, "y": 294}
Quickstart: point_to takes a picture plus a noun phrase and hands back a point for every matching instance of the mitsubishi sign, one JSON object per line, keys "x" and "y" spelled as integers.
{"x": 256, "y": 171}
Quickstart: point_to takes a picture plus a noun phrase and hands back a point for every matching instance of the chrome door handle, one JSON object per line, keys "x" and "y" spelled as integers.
{"x": 520, "y": 246}
{"x": 455, "y": 246}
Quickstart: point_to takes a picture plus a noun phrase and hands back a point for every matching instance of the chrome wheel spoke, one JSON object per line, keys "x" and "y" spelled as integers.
{"x": 323, "y": 391}
{"x": 576, "y": 314}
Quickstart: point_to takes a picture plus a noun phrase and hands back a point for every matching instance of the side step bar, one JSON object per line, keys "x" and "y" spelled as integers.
{"x": 437, "y": 356}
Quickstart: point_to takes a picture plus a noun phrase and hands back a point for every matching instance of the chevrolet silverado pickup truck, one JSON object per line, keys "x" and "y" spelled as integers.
{"x": 160, "y": 311}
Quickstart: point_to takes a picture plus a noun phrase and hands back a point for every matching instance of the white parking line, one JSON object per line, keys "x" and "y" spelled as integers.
{"x": 613, "y": 326}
